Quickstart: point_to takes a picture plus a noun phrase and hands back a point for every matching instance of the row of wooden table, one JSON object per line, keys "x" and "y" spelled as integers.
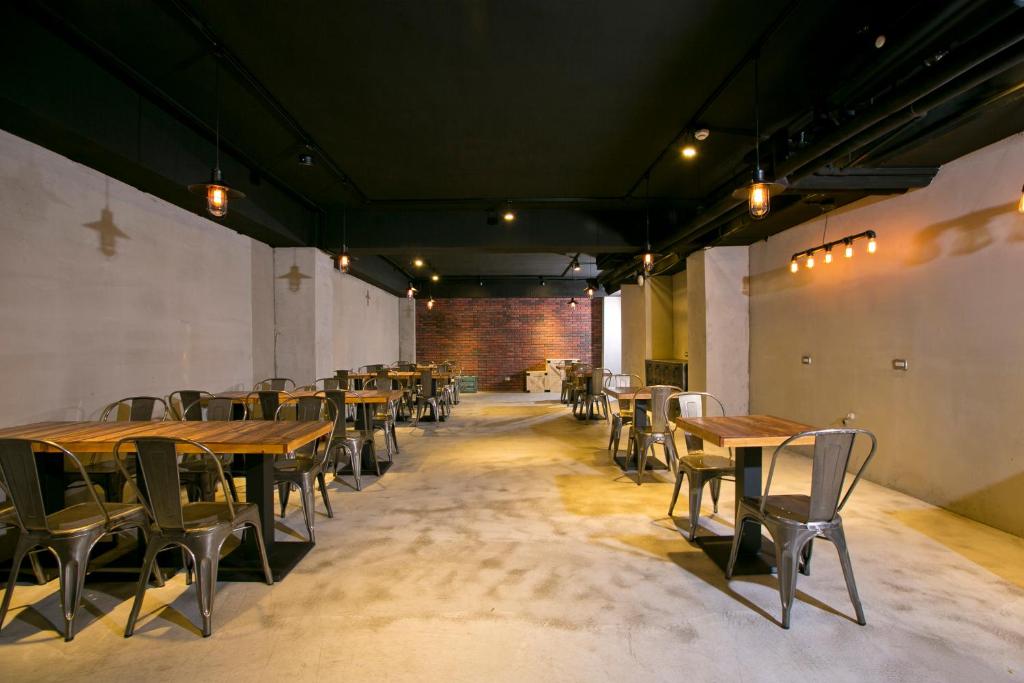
{"x": 748, "y": 435}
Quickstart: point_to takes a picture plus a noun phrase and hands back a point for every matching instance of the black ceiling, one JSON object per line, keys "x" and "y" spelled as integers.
{"x": 423, "y": 119}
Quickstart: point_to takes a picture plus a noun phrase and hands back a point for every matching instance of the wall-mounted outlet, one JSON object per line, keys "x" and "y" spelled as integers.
{"x": 806, "y": 360}
{"x": 508, "y": 379}
{"x": 900, "y": 364}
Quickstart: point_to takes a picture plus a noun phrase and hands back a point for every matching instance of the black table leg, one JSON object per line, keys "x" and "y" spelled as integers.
{"x": 283, "y": 556}
{"x": 756, "y": 555}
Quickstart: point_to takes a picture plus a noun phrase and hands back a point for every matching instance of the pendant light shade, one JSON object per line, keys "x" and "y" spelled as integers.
{"x": 430, "y": 303}
{"x": 572, "y": 303}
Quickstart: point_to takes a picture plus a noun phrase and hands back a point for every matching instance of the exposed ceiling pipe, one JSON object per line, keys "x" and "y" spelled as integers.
{"x": 970, "y": 56}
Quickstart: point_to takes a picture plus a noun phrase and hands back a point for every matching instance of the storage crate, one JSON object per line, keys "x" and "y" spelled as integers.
{"x": 467, "y": 384}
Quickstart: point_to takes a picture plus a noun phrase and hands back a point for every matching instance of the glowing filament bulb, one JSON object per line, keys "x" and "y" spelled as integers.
{"x": 430, "y": 304}
{"x": 810, "y": 261}
{"x": 648, "y": 261}
{"x": 872, "y": 246}
{"x": 828, "y": 255}
{"x": 848, "y": 251}
{"x": 217, "y": 200}
{"x": 344, "y": 262}
{"x": 1020, "y": 204}
{"x": 759, "y": 202}
{"x": 794, "y": 266}
{"x": 689, "y": 152}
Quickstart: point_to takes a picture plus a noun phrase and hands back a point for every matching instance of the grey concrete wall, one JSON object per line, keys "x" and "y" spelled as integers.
{"x": 262, "y": 278}
{"x": 680, "y": 324}
{"x": 365, "y": 326}
{"x": 295, "y": 313}
{"x": 719, "y": 325}
{"x": 945, "y": 292}
{"x": 108, "y": 292}
{"x": 659, "y": 316}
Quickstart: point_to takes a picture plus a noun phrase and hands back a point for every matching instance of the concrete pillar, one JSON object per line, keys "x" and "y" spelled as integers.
{"x": 295, "y": 319}
{"x": 719, "y": 325}
{"x": 407, "y": 330}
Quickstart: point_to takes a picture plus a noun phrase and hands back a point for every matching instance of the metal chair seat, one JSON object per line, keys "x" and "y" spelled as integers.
{"x": 83, "y": 517}
{"x": 706, "y": 463}
{"x": 787, "y": 509}
{"x": 205, "y": 515}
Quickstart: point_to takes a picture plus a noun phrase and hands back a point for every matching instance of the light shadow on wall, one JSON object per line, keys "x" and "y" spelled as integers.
{"x": 106, "y": 228}
{"x": 294, "y": 276}
{"x": 972, "y": 233}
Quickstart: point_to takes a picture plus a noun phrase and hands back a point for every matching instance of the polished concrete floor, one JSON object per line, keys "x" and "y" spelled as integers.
{"x": 503, "y": 546}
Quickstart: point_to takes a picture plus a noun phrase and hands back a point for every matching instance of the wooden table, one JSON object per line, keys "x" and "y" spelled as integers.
{"x": 748, "y": 434}
{"x": 256, "y": 440}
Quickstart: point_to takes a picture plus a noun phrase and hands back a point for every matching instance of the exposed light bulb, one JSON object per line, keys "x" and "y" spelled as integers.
{"x": 572, "y": 303}
{"x": 640, "y": 279}
{"x": 648, "y": 261}
{"x": 794, "y": 266}
{"x": 810, "y": 261}
{"x": 590, "y": 292}
{"x": 509, "y": 216}
{"x": 872, "y": 245}
{"x": 435, "y": 277}
{"x": 344, "y": 261}
{"x": 217, "y": 200}
{"x": 576, "y": 266}
{"x": 759, "y": 202}
{"x": 411, "y": 292}
{"x": 689, "y": 152}
{"x": 430, "y": 304}
{"x": 828, "y": 255}
{"x": 1020, "y": 204}
{"x": 848, "y": 251}
{"x": 543, "y": 282}
{"x": 418, "y": 262}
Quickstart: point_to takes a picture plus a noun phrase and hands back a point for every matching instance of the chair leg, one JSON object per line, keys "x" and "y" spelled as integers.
{"x": 20, "y": 550}
{"x": 323, "y": 492}
{"x": 283, "y": 491}
{"x": 787, "y": 559}
{"x": 716, "y": 489}
{"x": 206, "y": 588}
{"x": 680, "y": 473}
{"x": 308, "y": 511}
{"x": 611, "y": 435}
{"x": 37, "y": 570}
{"x": 735, "y": 551}
{"x": 264, "y": 561}
{"x": 805, "y": 559}
{"x": 838, "y": 538}
{"x": 356, "y": 458}
{"x": 73, "y": 558}
{"x": 140, "y": 590}
{"x": 641, "y": 464}
{"x": 231, "y": 486}
{"x": 696, "y": 494}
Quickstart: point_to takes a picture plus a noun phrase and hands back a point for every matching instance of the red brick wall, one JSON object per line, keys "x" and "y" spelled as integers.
{"x": 597, "y": 333}
{"x": 499, "y": 338}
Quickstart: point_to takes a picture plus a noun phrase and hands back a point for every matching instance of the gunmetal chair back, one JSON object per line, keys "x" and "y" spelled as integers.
{"x": 18, "y": 467}
{"x": 371, "y": 368}
{"x": 274, "y": 384}
{"x": 219, "y": 409}
{"x": 832, "y": 451}
{"x": 328, "y": 383}
{"x": 660, "y": 412}
{"x": 269, "y": 401}
{"x": 187, "y": 404}
{"x": 337, "y": 397}
{"x": 312, "y": 409}
{"x": 692, "y": 404}
{"x": 622, "y": 381}
{"x": 136, "y": 409}
{"x": 598, "y": 377}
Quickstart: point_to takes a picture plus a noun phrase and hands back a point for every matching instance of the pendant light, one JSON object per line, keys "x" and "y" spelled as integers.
{"x": 430, "y": 303}
{"x": 217, "y": 192}
{"x": 344, "y": 260}
{"x": 572, "y": 303}
{"x": 411, "y": 292}
{"x": 759, "y": 192}
{"x": 647, "y": 258}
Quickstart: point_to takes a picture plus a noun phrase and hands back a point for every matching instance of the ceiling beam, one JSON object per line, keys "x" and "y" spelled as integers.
{"x": 506, "y": 288}
{"x": 878, "y": 180}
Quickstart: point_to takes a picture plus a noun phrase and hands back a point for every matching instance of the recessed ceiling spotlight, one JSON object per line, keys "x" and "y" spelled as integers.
{"x": 481, "y": 282}
{"x": 880, "y": 41}
{"x": 418, "y": 262}
{"x": 509, "y": 215}
{"x": 689, "y": 152}
{"x": 435, "y": 277}
{"x": 306, "y": 159}
{"x": 701, "y": 134}
{"x": 543, "y": 282}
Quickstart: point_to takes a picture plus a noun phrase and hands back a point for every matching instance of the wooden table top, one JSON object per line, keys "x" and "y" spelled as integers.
{"x": 351, "y": 396}
{"x": 627, "y": 393}
{"x": 249, "y": 436}
{"x": 399, "y": 374}
{"x": 744, "y": 430}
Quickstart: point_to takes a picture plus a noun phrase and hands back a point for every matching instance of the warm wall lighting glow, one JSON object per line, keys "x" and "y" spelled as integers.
{"x": 435, "y": 277}
{"x": 418, "y": 262}
{"x": 689, "y": 152}
{"x": 828, "y": 255}
{"x": 794, "y": 266}
{"x": 760, "y": 201}
{"x": 217, "y": 200}
{"x": 810, "y": 261}
{"x": 344, "y": 261}
{"x": 848, "y": 251}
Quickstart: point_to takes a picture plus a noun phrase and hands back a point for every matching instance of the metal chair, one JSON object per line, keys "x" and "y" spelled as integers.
{"x": 274, "y": 384}
{"x": 187, "y": 404}
{"x": 304, "y": 468}
{"x": 350, "y": 441}
{"x": 103, "y": 471}
{"x": 385, "y": 415}
{"x": 578, "y": 390}
{"x": 9, "y": 524}
{"x": 269, "y": 400}
{"x": 427, "y": 397}
{"x": 69, "y": 533}
{"x": 794, "y": 521}
{"x": 624, "y": 416}
{"x": 657, "y": 430}
{"x": 566, "y": 374}
{"x": 199, "y": 529}
{"x": 196, "y": 472}
{"x": 698, "y": 467}
{"x": 593, "y": 394}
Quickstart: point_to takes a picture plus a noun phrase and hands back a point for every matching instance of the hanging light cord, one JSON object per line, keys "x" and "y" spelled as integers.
{"x": 757, "y": 112}
{"x": 216, "y": 99}
{"x": 647, "y": 191}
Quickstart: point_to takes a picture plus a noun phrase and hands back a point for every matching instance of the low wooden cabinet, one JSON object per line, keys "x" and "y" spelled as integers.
{"x": 671, "y": 372}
